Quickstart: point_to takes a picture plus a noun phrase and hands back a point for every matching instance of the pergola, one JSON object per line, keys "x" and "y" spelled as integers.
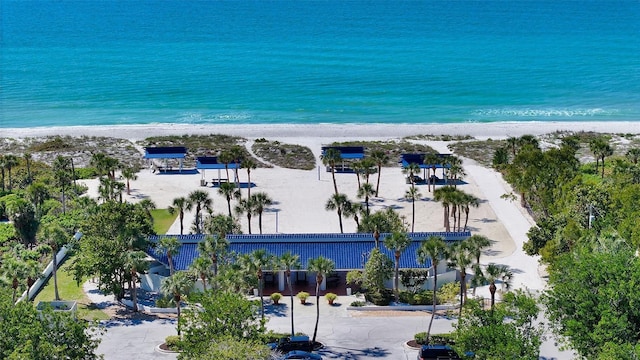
{"x": 346, "y": 153}
{"x": 418, "y": 159}
{"x": 211, "y": 163}
{"x": 165, "y": 153}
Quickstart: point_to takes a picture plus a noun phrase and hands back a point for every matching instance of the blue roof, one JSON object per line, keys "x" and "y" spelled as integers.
{"x": 211, "y": 162}
{"x": 347, "y": 152}
{"x": 348, "y": 251}
{"x": 165, "y": 152}
{"x": 418, "y": 159}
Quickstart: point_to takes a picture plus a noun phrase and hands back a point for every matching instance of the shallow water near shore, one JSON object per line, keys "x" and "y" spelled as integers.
{"x": 283, "y": 62}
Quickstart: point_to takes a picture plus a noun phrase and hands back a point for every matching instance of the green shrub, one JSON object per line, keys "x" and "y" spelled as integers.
{"x": 275, "y": 297}
{"x": 173, "y": 342}
{"x": 164, "y": 302}
{"x": 444, "y": 339}
{"x": 448, "y": 292}
{"x": 303, "y": 295}
{"x": 86, "y": 173}
{"x": 330, "y": 296}
{"x": 407, "y": 297}
{"x": 357, "y": 303}
{"x": 382, "y": 297}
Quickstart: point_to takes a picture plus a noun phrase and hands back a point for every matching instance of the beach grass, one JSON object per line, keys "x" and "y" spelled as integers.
{"x": 162, "y": 220}
{"x": 288, "y": 156}
{"x": 68, "y": 289}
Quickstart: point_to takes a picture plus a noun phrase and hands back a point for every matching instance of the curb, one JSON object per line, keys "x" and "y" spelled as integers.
{"x": 162, "y": 351}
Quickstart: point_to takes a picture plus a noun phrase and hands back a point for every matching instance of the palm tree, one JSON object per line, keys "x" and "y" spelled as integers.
{"x": 321, "y": 266}
{"x": 226, "y": 157}
{"x": 633, "y": 155}
{"x": 259, "y": 260}
{"x": 147, "y": 205}
{"x": 398, "y": 243}
{"x": 177, "y": 285}
{"x": 33, "y": 273}
{"x": 288, "y": 261}
{"x": 260, "y": 201}
{"x": 460, "y": 258}
{"x": 201, "y": 267}
{"x": 456, "y": 172}
{"x": 246, "y": 206}
{"x": 512, "y": 143}
{"x": 380, "y": 158}
{"x": 129, "y": 173}
{"x": 356, "y": 166}
{"x": 444, "y": 196}
{"x": 495, "y": 272}
{"x": 135, "y": 261}
{"x": 353, "y": 210}
{"x": 433, "y": 248}
{"x": 171, "y": 245}
{"x": 365, "y": 191}
{"x": 249, "y": 164}
{"x": 180, "y": 204}
{"x": 431, "y": 160}
{"x": 38, "y": 193}
{"x": 337, "y": 202}
{"x": 330, "y": 158}
{"x": 368, "y": 167}
{"x": 13, "y": 269}
{"x": 27, "y": 159}
{"x": 213, "y": 246}
{"x": 202, "y": 201}
{"x": 2, "y": 170}
{"x": 238, "y": 155}
{"x": 56, "y": 237}
{"x": 411, "y": 170}
{"x": 10, "y": 161}
{"x": 468, "y": 202}
{"x": 62, "y": 176}
{"x": 229, "y": 191}
{"x": 476, "y": 243}
{"x": 412, "y": 195}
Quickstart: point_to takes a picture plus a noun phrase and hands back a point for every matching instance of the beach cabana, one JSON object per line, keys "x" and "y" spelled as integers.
{"x": 346, "y": 153}
{"x": 418, "y": 159}
{"x": 211, "y": 163}
{"x": 164, "y": 153}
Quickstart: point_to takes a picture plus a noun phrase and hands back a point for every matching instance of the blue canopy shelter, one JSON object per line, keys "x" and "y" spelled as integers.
{"x": 165, "y": 153}
{"x": 418, "y": 159}
{"x": 346, "y": 153}
{"x": 211, "y": 163}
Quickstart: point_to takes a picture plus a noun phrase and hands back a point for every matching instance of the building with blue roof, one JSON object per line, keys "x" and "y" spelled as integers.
{"x": 348, "y": 251}
{"x": 205, "y": 163}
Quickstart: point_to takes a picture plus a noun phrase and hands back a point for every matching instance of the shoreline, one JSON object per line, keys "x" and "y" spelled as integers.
{"x": 378, "y": 131}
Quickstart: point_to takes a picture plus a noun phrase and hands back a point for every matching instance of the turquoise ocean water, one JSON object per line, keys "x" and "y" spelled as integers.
{"x": 100, "y": 62}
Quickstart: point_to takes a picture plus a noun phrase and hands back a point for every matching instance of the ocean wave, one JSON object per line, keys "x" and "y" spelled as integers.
{"x": 221, "y": 118}
{"x": 548, "y": 113}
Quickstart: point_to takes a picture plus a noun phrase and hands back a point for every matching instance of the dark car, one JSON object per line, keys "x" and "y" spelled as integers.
{"x": 437, "y": 352}
{"x": 288, "y": 344}
{"x": 300, "y": 355}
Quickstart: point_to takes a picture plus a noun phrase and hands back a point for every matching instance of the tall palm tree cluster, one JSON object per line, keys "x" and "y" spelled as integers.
{"x": 363, "y": 169}
{"x": 249, "y": 205}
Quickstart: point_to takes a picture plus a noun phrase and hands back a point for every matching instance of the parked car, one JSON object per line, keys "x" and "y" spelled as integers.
{"x": 291, "y": 343}
{"x": 437, "y": 352}
{"x": 300, "y": 355}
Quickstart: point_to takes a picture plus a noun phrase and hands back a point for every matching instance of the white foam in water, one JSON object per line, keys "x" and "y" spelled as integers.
{"x": 544, "y": 112}
{"x": 200, "y": 118}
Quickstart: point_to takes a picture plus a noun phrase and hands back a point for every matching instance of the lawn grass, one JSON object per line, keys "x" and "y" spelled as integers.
{"x": 162, "y": 220}
{"x": 68, "y": 289}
